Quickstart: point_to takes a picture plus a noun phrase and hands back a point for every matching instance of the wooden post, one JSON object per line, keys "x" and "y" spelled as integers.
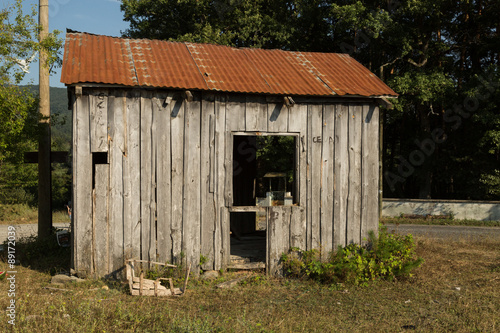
{"x": 44, "y": 175}
{"x": 381, "y": 163}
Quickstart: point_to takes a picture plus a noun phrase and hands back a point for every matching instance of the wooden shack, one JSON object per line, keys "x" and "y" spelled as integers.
{"x": 163, "y": 164}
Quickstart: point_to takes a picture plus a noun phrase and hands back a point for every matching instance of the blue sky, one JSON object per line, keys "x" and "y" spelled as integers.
{"x": 102, "y": 17}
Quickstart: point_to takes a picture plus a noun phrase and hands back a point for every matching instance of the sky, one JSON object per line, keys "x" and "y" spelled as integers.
{"x": 102, "y": 17}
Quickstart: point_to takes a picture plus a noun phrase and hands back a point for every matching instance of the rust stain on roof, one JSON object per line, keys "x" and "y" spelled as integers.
{"x": 152, "y": 63}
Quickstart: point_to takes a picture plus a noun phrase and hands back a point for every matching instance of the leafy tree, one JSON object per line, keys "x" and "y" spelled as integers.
{"x": 18, "y": 47}
{"x": 18, "y": 107}
{"x": 436, "y": 54}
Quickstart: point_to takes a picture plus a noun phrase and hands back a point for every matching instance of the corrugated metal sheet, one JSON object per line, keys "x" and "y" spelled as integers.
{"x": 140, "y": 62}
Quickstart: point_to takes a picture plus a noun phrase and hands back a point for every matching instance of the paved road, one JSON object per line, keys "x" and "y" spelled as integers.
{"x": 25, "y": 230}
{"x": 434, "y": 231}
{"x": 447, "y": 231}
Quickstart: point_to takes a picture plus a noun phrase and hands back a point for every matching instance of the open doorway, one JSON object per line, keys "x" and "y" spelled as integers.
{"x": 264, "y": 174}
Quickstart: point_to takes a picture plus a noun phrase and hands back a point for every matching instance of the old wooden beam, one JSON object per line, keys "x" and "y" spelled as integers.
{"x": 55, "y": 157}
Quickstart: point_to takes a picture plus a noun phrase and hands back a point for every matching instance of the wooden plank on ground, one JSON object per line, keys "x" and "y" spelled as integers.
{"x": 191, "y": 229}
{"x": 101, "y": 227}
{"x": 370, "y": 172}
{"x": 83, "y": 180}
{"x": 354, "y": 197}
{"x": 315, "y": 112}
{"x": 256, "y": 113}
{"x": 327, "y": 180}
{"x": 164, "y": 191}
{"x": 341, "y": 175}
{"x": 206, "y": 185}
{"x": 116, "y": 105}
{"x": 99, "y": 120}
{"x": 146, "y": 167}
{"x": 177, "y": 159}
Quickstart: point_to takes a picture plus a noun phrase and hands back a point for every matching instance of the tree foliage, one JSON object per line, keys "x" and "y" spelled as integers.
{"x": 18, "y": 105}
{"x": 441, "y": 56}
{"x": 18, "y": 47}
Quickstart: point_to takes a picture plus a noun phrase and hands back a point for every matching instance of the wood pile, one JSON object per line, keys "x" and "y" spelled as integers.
{"x": 140, "y": 286}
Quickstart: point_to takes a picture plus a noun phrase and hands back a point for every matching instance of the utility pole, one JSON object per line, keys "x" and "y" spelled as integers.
{"x": 44, "y": 167}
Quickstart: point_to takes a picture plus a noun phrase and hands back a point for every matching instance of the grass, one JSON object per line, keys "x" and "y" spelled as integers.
{"x": 25, "y": 214}
{"x": 456, "y": 289}
{"x": 439, "y": 221}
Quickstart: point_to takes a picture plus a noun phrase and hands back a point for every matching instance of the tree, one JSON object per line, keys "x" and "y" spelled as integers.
{"x": 436, "y": 54}
{"x": 18, "y": 47}
{"x": 18, "y": 106}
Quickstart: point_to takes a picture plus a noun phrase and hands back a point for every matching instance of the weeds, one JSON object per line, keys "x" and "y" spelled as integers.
{"x": 388, "y": 257}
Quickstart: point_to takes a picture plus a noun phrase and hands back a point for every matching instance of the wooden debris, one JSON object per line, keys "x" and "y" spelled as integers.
{"x": 248, "y": 265}
{"x": 146, "y": 287}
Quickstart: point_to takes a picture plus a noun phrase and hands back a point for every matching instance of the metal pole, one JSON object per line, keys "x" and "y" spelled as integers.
{"x": 44, "y": 172}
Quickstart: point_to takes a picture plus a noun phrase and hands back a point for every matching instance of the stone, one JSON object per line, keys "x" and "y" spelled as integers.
{"x": 209, "y": 275}
{"x": 61, "y": 279}
{"x": 33, "y": 317}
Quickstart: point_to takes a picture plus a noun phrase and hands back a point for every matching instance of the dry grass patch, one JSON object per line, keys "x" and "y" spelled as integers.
{"x": 456, "y": 289}
{"x": 25, "y": 214}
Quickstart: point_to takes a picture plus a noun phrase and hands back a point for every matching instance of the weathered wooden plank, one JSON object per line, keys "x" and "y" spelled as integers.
{"x": 277, "y": 116}
{"x": 116, "y": 105}
{"x": 370, "y": 173}
{"x": 256, "y": 114}
{"x": 327, "y": 178}
{"x": 211, "y": 157}
{"x": 315, "y": 112}
{"x": 278, "y": 234}
{"x": 164, "y": 191}
{"x": 341, "y": 175}
{"x": 285, "y": 231}
{"x": 297, "y": 123}
{"x": 191, "y": 206}
{"x": 297, "y": 227}
{"x": 99, "y": 121}
{"x": 83, "y": 180}
{"x": 225, "y": 180}
{"x": 101, "y": 244}
{"x": 221, "y": 240}
{"x": 74, "y": 188}
{"x": 132, "y": 177}
{"x": 153, "y": 255}
{"x": 177, "y": 159}
{"x": 206, "y": 185}
{"x": 309, "y": 210}
{"x": 354, "y": 197}
{"x": 235, "y": 106}
{"x": 246, "y": 209}
{"x": 228, "y": 166}
{"x": 146, "y": 177}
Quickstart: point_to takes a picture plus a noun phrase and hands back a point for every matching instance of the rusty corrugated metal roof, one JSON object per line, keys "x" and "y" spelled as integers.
{"x": 152, "y": 63}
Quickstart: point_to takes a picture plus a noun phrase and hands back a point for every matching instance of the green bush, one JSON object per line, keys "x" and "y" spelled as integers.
{"x": 389, "y": 256}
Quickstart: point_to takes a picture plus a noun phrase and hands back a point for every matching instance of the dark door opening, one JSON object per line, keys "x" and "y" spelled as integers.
{"x": 264, "y": 174}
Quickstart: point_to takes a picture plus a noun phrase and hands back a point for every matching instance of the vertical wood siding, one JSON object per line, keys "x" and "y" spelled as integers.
{"x": 165, "y": 193}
